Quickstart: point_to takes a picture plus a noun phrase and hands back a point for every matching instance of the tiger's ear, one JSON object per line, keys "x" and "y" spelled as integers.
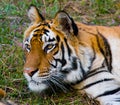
{"x": 64, "y": 22}
{"x": 34, "y": 15}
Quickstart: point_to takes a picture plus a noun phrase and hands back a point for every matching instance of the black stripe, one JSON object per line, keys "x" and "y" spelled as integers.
{"x": 68, "y": 48}
{"x": 37, "y": 30}
{"x": 94, "y": 57}
{"x": 46, "y": 31}
{"x": 110, "y": 92}
{"x": 35, "y": 35}
{"x": 98, "y": 69}
{"x": 48, "y": 25}
{"x": 90, "y": 75}
{"x": 97, "y": 72}
{"x": 96, "y": 82}
{"x": 63, "y": 61}
{"x": 53, "y": 65}
{"x": 107, "y": 53}
{"x": 75, "y": 28}
{"x": 44, "y": 24}
{"x": 74, "y": 63}
{"x": 82, "y": 70}
{"x": 39, "y": 25}
{"x": 55, "y": 52}
{"x": 41, "y": 15}
{"x": 51, "y": 40}
{"x": 58, "y": 38}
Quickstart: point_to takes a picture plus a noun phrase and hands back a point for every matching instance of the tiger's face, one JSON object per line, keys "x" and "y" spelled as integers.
{"x": 51, "y": 51}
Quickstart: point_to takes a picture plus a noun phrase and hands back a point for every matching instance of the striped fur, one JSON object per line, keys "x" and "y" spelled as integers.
{"x": 62, "y": 54}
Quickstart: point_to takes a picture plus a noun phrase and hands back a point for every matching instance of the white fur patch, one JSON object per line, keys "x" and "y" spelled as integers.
{"x": 37, "y": 87}
{"x": 73, "y": 76}
{"x": 35, "y": 83}
{"x": 50, "y": 35}
{"x": 115, "y": 44}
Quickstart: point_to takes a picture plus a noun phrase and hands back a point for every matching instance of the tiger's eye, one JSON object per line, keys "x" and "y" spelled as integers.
{"x": 50, "y": 46}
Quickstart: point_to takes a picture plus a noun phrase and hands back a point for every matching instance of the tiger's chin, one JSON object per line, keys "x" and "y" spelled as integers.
{"x": 36, "y": 84}
{"x": 37, "y": 87}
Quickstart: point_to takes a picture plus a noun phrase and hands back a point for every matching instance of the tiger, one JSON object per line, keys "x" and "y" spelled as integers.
{"x": 63, "y": 54}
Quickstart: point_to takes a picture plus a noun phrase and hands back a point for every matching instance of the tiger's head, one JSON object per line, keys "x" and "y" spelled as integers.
{"x": 51, "y": 51}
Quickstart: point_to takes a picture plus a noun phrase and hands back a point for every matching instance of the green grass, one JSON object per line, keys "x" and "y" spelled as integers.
{"x": 102, "y": 6}
{"x": 13, "y": 22}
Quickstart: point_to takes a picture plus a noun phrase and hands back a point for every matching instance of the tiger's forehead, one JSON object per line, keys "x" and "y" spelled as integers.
{"x": 41, "y": 30}
{"x": 37, "y": 26}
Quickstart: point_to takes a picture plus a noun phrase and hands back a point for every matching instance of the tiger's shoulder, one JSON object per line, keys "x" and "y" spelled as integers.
{"x": 89, "y": 33}
{"x": 94, "y": 29}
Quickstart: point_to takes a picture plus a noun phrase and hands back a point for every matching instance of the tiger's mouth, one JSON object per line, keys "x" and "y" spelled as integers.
{"x": 54, "y": 82}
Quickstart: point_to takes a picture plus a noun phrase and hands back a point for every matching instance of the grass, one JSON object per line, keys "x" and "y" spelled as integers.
{"x": 13, "y": 22}
{"x": 102, "y": 6}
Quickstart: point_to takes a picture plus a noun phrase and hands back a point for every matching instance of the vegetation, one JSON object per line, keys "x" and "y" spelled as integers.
{"x": 13, "y": 22}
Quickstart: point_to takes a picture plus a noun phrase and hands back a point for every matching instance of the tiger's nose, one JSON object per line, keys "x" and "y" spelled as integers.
{"x": 30, "y": 71}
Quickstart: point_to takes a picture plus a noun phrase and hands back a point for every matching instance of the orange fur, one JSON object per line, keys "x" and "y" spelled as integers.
{"x": 88, "y": 33}
{"x": 2, "y": 93}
